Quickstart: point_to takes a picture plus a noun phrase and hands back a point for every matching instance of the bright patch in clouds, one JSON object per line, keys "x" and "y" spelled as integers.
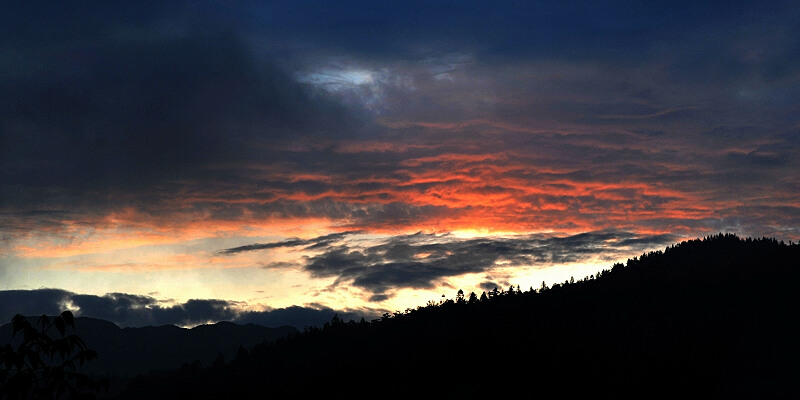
{"x": 361, "y": 87}
{"x": 338, "y": 79}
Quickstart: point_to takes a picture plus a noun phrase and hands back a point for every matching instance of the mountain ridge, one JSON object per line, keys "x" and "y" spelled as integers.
{"x": 129, "y": 351}
{"x": 708, "y": 318}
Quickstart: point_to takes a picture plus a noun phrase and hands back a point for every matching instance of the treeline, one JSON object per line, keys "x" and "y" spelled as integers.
{"x": 708, "y": 318}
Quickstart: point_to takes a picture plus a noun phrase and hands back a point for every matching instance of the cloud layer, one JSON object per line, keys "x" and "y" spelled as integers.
{"x": 129, "y": 310}
{"x": 424, "y": 261}
{"x": 662, "y": 115}
{"x": 188, "y": 136}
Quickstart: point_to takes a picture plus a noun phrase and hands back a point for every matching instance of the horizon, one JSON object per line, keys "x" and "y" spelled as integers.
{"x": 196, "y": 162}
{"x": 144, "y": 311}
{"x": 319, "y": 317}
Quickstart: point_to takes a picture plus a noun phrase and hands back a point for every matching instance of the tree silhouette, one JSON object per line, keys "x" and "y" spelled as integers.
{"x": 705, "y": 319}
{"x": 46, "y": 364}
{"x": 473, "y": 298}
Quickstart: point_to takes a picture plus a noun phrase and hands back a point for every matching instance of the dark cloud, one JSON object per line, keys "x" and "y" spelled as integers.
{"x": 32, "y": 302}
{"x": 136, "y": 310}
{"x": 129, "y": 310}
{"x": 604, "y": 117}
{"x": 422, "y": 261}
{"x": 339, "y": 261}
{"x": 108, "y": 107}
{"x": 489, "y": 285}
{"x": 126, "y": 102}
{"x": 508, "y": 30}
{"x": 361, "y": 214}
{"x": 309, "y": 244}
{"x": 121, "y": 308}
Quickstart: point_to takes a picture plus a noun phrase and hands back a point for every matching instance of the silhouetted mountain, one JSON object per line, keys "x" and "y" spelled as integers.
{"x": 711, "y": 318}
{"x": 132, "y": 351}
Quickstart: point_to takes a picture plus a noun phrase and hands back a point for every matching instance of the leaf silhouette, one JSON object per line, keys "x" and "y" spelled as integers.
{"x": 60, "y": 325}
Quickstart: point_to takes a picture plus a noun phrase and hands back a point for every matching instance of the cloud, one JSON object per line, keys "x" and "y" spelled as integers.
{"x": 129, "y": 310}
{"x": 121, "y": 308}
{"x": 147, "y": 125}
{"x": 422, "y": 261}
{"x": 226, "y": 112}
{"x": 309, "y": 244}
{"x": 122, "y": 105}
{"x": 137, "y": 310}
{"x": 32, "y": 302}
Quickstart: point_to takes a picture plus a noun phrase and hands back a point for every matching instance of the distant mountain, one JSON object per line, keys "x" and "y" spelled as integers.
{"x": 712, "y": 318}
{"x": 131, "y": 351}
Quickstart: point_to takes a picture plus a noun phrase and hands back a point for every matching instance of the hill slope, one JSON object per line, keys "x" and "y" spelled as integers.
{"x": 132, "y": 351}
{"x": 709, "y": 318}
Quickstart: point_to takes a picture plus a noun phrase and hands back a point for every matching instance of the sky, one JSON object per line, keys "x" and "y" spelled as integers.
{"x": 276, "y": 162}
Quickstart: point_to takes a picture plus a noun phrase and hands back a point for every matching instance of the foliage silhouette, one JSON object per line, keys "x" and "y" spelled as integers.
{"x": 709, "y": 318}
{"x": 46, "y": 365}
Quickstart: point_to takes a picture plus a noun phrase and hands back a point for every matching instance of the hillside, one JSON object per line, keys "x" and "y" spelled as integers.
{"x": 708, "y": 318}
{"x": 126, "y": 352}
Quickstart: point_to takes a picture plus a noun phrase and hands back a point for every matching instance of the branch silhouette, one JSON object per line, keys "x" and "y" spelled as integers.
{"x": 46, "y": 365}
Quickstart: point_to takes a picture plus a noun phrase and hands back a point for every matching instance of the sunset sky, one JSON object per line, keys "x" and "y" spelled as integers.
{"x": 189, "y": 162}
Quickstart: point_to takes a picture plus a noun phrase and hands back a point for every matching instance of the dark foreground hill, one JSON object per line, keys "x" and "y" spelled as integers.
{"x": 713, "y": 318}
{"x": 131, "y": 351}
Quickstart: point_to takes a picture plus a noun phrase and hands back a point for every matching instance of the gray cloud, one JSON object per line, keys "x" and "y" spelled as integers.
{"x": 124, "y": 103}
{"x": 136, "y": 310}
{"x": 109, "y": 107}
{"x": 129, "y": 310}
{"x": 32, "y": 302}
{"x": 320, "y": 241}
{"x": 424, "y": 260}
{"x": 361, "y": 215}
{"x": 121, "y": 308}
{"x": 676, "y": 117}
